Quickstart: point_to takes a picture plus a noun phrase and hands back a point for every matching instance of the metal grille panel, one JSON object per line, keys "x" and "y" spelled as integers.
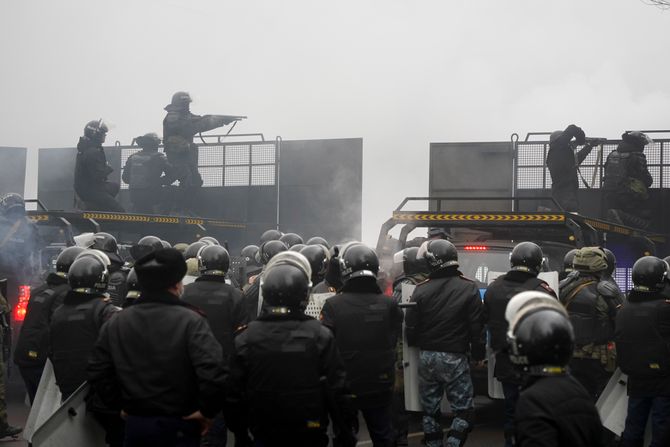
{"x": 210, "y": 156}
{"x": 263, "y": 175}
{"x": 237, "y": 176}
{"x": 263, "y": 154}
{"x": 623, "y": 277}
{"x": 211, "y": 176}
{"x": 237, "y": 155}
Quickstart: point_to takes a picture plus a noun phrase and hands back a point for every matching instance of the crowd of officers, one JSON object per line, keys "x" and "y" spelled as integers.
{"x": 178, "y": 350}
{"x": 148, "y": 171}
{"x": 625, "y": 180}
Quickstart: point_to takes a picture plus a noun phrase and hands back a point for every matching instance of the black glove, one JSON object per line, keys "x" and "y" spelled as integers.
{"x": 577, "y": 133}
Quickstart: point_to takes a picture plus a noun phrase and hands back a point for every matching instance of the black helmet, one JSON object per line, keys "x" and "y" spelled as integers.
{"x": 611, "y": 261}
{"x": 297, "y": 247}
{"x": 105, "y": 242}
{"x": 269, "y": 249}
{"x": 317, "y": 240}
{"x": 213, "y": 260}
{"x": 12, "y": 204}
{"x": 96, "y": 131}
{"x": 649, "y": 274}
{"x": 541, "y": 339}
{"x": 149, "y": 141}
{"x": 180, "y": 101}
{"x": 132, "y": 283}
{"x": 291, "y": 239}
{"x": 193, "y": 249}
{"x": 166, "y": 244}
{"x": 318, "y": 257}
{"x": 411, "y": 264}
{"x": 437, "y": 233}
{"x": 637, "y": 139}
{"x": 144, "y": 246}
{"x": 209, "y": 240}
{"x": 286, "y": 281}
{"x": 527, "y": 257}
{"x": 248, "y": 253}
{"x": 439, "y": 253}
{"x": 271, "y": 235}
{"x": 357, "y": 260}
{"x": 568, "y": 260}
{"x": 88, "y": 274}
{"x": 66, "y": 258}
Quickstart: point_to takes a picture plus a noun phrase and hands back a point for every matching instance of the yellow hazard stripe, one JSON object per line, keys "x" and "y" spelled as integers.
{"x": 130, "y": 218}
{"x": 39, "y": 217}
{"x": 607, "y": 227}
{"x": 458, "y": 217}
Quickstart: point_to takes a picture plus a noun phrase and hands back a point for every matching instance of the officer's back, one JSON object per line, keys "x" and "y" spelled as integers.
{"x": 222, "y": 303}
{"x": 286, "y": 365}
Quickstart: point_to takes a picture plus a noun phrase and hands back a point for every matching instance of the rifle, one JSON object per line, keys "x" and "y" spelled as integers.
{"x": 596, "y": 141}
{"x": 223, "y": 119}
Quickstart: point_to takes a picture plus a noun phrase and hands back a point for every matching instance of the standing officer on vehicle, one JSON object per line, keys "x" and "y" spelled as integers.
{"x": 32, "y": 346}
{"x": 91, "y": 171}
{"x": 162, "y": 348}
{"x": 287, "y": 371}
{"x": 627, "y": 180}
{"x": 74, "y": 329}
{"x": 179, "y": 128}
{"x": 366, "y": 324}
{"x": 225, "y": 310}
{"x": 553, "y": 408}
{"x": 643, "y": 349}
{"x": 146, "y": 172}
{"x": 445, "y": 324}
{"x": 592, "y": 305}
{"x": 563, "y": 164}
{"x": 526, "y": 261}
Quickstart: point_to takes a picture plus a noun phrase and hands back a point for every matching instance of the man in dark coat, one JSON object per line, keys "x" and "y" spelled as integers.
{"x": 158, "y": 362}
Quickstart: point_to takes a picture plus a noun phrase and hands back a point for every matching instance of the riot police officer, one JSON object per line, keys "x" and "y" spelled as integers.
{"x": 568, "y": 259}
{"x": 270, "y": 235}
{"x": 445, "y": 325}
{"x": 252, "y": 296}
{"x": 627, "y": 180}
{"x": 287, "y": 370}
{"x": 133, "y": 289}
{"x": 607, "y": 274}
{"x": 225, "y": 309}
{"x": 163, "y": 348}
{"x": 116, "y": 284}
{"x": 179, "y": 128}
{"x": 591, "y": 304}
{"x": 251, "y": 266}
{"x": 33, "y": 344}
{"x": 91, "y": 171}
{"x": 526, "y": 262}
{"x": 553, "y": 408}
{"x": 291, "y": 239}
{"x": 643, "y": 349}
{"x": 318, "y": 257}
{"x": 74, "y": 329}
{"x": 318, "y": 240}
{"x": 145, "y": 173}
{"x": 366, "y": 324}
{"x": 563, "y": 164}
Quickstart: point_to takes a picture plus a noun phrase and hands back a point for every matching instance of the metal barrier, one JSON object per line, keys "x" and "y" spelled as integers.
{"x": 531, "y": 171}
{"x": 223, "y": 163}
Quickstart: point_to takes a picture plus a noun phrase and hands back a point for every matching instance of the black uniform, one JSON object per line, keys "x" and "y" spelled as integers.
{"x": 32, "y": 346}
{"x": 643, "y": 350}
{"x": 626, "y": 184}
{"x": 288, "y": 373}
{"x": 592, "y": 305}
{"x": 366, "y": 325}
{"x": 556, "y": 411}
{"x": 223, "y": 306}
{"x": 252, "y": 297}
{"x": 117, "y": 288}
{"x": 179, "y": 128}
{"x": 159, "y": 361}
{"x": 144, "y": 173}
{"x": 90, "y": 178}
{"x": 497, "y": 295}
{"x": 562, "y": 163}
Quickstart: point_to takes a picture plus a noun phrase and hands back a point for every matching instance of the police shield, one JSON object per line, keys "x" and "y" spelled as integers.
{"x": 612, "y": 406}
{"x": 316, "y": 302}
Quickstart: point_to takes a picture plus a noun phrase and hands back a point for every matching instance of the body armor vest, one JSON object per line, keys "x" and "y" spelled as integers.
{"x": 616, "y": 170}
{"x": 581, "y": 300}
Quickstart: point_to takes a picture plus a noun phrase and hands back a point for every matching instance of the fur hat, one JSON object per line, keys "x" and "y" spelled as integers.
{"x": 160, "y": 269}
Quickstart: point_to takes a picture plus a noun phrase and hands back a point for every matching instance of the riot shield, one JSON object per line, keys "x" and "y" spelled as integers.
{"x": 612, "y": 406}
{"x": 316, "y": 302}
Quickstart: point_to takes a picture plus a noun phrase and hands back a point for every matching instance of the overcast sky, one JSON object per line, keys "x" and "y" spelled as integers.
{"x": 398, "y": 73}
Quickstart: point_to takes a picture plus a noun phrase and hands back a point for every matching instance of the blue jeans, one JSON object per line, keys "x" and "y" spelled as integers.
{"x": 639, "y": 409}
{"x": 450, "y": 372}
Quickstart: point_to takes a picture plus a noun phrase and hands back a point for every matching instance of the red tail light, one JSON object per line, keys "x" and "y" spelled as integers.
{"x": 22, "y": 306}
{"x": 475, "y": 248}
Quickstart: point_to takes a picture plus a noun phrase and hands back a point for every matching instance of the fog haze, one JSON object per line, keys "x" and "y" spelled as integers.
{"x": 399, "y": 74}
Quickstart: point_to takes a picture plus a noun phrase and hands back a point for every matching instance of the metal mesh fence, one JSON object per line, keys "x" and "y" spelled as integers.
{"x": 230, "y": 164}
{"x": 623, "y": 277}
{"x": 532, "y": 172}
